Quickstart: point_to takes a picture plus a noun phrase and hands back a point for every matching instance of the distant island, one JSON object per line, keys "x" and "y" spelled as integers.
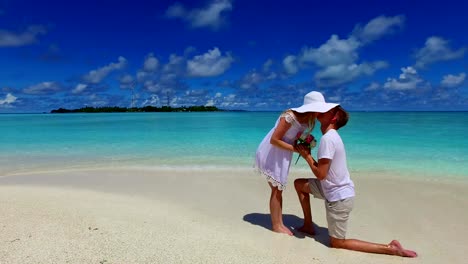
{"x": 116, "y": 109}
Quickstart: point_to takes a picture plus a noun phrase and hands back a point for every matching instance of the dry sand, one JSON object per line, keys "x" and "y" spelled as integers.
{"x": 136, "y": 215}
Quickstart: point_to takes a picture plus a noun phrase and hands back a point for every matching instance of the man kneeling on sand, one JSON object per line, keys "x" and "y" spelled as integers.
{"x": 334, "y": 185}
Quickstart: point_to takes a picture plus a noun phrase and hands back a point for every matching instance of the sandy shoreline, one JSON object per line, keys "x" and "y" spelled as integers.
{"x": 215, "y": 216}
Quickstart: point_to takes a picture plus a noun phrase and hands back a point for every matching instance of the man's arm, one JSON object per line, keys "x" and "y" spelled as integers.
{"x": 320, "y": 168}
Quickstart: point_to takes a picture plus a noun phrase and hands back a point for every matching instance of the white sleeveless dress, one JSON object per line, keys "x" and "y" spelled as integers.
{"x": 274, "y": 162}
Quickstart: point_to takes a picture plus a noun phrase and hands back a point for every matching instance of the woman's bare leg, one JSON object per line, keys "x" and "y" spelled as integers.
{"x": 276, "y": 211}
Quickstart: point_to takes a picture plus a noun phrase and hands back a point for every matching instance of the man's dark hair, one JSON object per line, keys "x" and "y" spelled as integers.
{"x": 342, "y": 117}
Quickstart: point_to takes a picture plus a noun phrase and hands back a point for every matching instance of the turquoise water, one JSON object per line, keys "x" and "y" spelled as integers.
{"x": 423, "y": 143}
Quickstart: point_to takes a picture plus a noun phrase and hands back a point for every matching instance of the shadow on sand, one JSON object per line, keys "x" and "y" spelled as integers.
{"x": 290, "y": 221}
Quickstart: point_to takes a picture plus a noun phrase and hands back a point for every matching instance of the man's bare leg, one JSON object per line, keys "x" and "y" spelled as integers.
{"x": 302, "y": 189}
{"x": 276, "y": 211}
{"x": 393, "y": 248}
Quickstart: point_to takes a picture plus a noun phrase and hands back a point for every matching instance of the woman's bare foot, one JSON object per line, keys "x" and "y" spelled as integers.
{"x": 307, "y": 229}
{"x": 287, "y": 231}
{"x": 282, "y": 229}
{"x": 401, "y": 251}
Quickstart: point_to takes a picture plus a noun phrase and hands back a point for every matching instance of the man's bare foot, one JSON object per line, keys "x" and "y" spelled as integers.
{"x": 307, "y": 229}
{"x": 282, "y": 229}
{"x": 401, "y": 251}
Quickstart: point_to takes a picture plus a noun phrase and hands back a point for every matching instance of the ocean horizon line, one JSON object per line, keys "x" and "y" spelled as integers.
{"x": 240, "y": 111}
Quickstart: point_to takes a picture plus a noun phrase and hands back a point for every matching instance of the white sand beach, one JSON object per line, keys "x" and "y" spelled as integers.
{"x": 136, "y": 215}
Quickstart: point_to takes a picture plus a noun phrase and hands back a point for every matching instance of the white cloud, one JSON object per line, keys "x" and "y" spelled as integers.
{"x": 151, "y": 63}
{"x": 290, "y": 64}
{"x": 79, "y": 88}
{"x": 337, "y": 59}
{"x": 142, "y": 76}
{"x": 343, "y": 73}
{"x": 209, "y": 16}
{"x": 231, "y": 101}
{"x": 334, "y": 52}
{"x": 377, "y": 28}
{"x": 127, "y": 78}
{"x": 250, "y": 80}
{"x": 8, "y": 100}
{"x": 272, "y": 76}
{"x": 212, "y": 63}
{"x": 43, "y": 88}
{"x": 215, "y": 100}
{"x": 126, "y": 81}
{"x": 152, "y": 86}
{"x": 176, "y": 10}
{"x": 176, "y": 65}
{"x": 451, "y": 81}
{"x": 372, "y": 87}
{"x": 196, "y": 93}
{"x": 98, "y": 101}
{"x": 408, "y": 80}
{"x": 11, "y": 39}
{"x": 96, "y": 76}
{"x": 267, "y": 65}
{"x": 210, "y": 102}
{"x": 152, "y": 100}
{"x": 436, "y": 49}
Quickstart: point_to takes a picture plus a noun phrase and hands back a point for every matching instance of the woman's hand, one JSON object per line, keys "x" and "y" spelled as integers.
{"x": 294, "y": 144}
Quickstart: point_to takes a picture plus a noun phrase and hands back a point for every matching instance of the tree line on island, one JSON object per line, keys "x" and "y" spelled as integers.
{"x": 116, "y": 109}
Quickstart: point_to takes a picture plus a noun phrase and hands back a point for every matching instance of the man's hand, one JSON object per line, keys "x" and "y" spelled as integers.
{"x": 303, "y": 150}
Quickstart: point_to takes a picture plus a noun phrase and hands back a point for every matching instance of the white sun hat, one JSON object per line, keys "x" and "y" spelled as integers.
{"x": 314, "y": 102}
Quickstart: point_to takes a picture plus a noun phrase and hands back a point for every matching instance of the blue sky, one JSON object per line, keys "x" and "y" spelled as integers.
{"x": 233, "y": 54}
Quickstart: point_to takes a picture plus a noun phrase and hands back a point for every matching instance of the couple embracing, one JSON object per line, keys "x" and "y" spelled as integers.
{"x": 332, "y": 181}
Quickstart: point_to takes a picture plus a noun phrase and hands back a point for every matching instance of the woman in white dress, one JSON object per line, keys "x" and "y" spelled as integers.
{"x": 274, "y": 154}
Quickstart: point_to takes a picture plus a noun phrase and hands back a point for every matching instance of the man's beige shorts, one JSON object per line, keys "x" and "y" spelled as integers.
{"x": 337, "y": 212}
